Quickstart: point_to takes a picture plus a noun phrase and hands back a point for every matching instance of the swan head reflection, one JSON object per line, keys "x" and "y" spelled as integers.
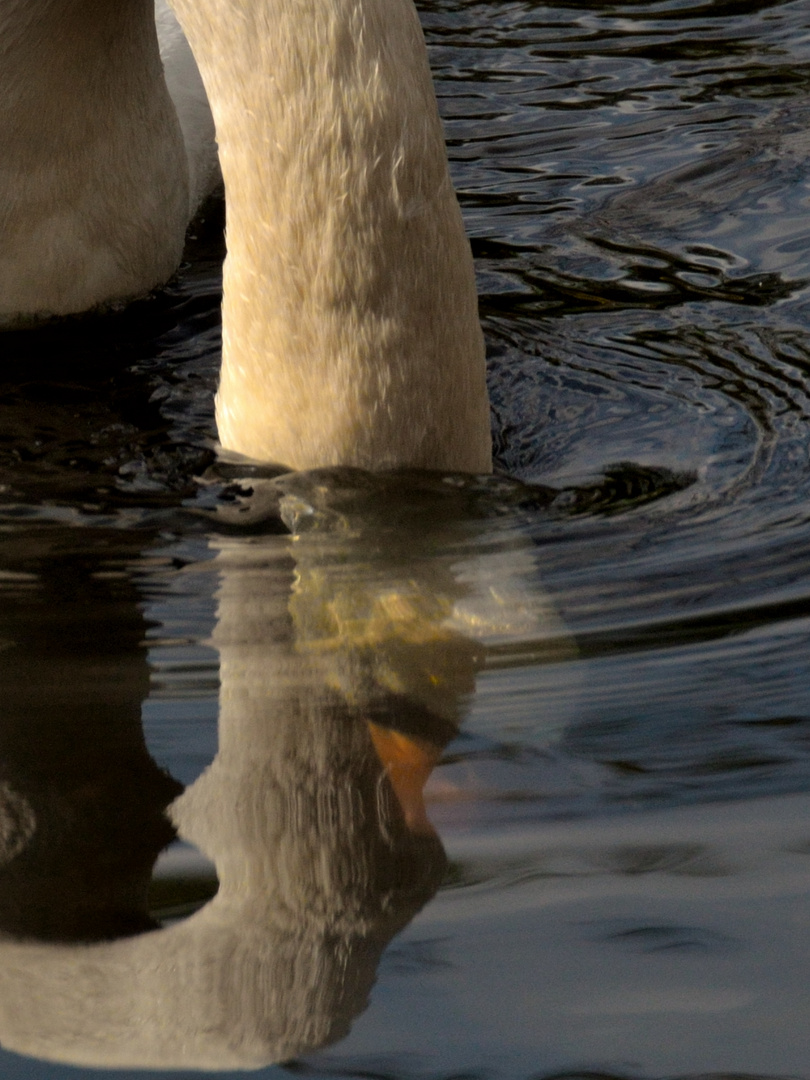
{"x": 348, "y": 657}
{"x": 341, "y": 680}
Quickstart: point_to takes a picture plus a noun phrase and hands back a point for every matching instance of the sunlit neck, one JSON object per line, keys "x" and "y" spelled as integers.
{"x": 350, "y": 323}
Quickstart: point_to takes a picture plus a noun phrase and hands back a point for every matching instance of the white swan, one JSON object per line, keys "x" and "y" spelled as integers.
{"x": 98, "y": 178}
{"x": 350, "y": 323}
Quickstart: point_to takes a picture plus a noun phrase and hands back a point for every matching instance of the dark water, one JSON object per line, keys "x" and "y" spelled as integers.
{"x": 603, "y": 661}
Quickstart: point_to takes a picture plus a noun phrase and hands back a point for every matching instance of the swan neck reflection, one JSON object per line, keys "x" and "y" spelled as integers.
{"x": 318, "y": 866}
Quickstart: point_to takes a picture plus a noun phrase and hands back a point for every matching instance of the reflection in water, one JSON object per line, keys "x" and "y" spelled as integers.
{"x": 81, "y": 801}
{"x": 343, "y": 674}
{"x": 680, "y": 934}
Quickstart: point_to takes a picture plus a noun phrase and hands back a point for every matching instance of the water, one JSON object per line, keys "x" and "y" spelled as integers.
{"x": 601, "y": 663}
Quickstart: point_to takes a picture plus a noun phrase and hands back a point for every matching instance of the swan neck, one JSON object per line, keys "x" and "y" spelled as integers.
{"x": 350, "y": 313}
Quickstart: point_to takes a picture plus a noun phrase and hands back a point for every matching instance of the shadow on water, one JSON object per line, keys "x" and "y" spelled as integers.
{"x": 90, "y": 418}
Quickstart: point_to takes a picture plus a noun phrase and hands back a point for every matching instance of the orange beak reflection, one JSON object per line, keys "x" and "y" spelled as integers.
{"x": 409, "y": 761}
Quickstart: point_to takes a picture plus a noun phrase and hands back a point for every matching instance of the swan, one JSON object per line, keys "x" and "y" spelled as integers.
{"x": 350, "y": 318}
{"x": 107, "y": 152}
{"x": 350, "y": 322}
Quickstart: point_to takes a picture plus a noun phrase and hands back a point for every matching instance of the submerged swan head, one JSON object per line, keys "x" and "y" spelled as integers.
{"x": 350, "y": 321}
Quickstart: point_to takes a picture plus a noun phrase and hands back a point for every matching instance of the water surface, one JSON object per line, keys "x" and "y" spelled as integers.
{"x": 215, "y": 851}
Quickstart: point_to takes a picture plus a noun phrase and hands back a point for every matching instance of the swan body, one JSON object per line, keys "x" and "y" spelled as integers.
{"x": 350, "y": 325}
{"x": 350, "y": 322}
{"x": 97, "y": 183}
